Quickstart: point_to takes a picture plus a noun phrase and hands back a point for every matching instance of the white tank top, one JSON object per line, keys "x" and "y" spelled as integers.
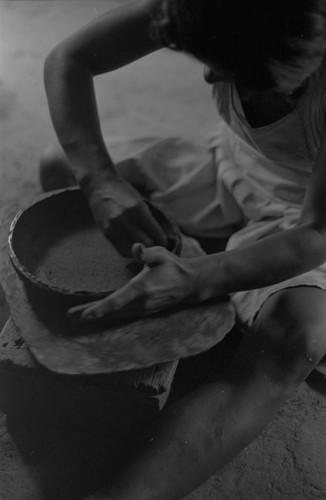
{"x": 277, "y": 158}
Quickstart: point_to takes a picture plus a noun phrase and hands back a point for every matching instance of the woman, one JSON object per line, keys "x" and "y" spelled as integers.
{"x": 261, "y": 183}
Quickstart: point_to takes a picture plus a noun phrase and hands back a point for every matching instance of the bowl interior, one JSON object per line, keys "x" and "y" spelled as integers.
{"x": 56, "y": 243}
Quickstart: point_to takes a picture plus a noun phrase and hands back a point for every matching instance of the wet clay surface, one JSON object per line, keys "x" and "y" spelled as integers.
{"x": 83, "y": 260}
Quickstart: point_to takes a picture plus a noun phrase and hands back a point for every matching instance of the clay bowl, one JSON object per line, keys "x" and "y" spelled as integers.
{"x": 58, "y": 250}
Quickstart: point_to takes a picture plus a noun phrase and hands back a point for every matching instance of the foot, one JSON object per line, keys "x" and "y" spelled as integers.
{"x": 55, "y": 172}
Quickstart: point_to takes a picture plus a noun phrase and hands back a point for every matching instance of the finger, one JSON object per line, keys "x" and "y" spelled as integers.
{"x": 152, "y": 227}
{"x": 149, "y": 256}
{"x": 137, "y": 252}
{"x": 120, "y": 238}
{"x": 87, "y": 311}
{"x": 123, "y": 236}
{"x": 104, "y": 311}
{"x": 136, "y": 234}
{"x": 76, "y": 311}
{"x": 130, "y": 293}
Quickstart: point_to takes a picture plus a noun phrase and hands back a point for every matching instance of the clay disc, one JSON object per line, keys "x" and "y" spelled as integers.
{"x": 68, "y": 348}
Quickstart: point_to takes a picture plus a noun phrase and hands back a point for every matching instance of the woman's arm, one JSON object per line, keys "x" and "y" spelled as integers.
{"x": 266, "y": 262}
{"x": 114, "y": 39}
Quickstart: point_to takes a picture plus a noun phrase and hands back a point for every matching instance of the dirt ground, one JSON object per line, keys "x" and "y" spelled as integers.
{"x": 160, "y": 94}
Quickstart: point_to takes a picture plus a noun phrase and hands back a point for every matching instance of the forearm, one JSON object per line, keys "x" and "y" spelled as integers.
{"x": 72, "y": 104}
{"x": 268, "y": 261}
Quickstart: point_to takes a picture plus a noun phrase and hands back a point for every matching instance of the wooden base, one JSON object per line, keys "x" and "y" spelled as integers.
{"x": 100, "y": 403}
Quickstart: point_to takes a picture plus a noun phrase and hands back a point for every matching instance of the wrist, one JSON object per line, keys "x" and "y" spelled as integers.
{"x": 208, "y": 277}
{"x": 95, "y": 179}
{"x": 91, "y": 164}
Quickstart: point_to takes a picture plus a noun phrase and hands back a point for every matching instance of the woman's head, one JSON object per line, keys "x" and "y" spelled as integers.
{"x": 265, "y": 45}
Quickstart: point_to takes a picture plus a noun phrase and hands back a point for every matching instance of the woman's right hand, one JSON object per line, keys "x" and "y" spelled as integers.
{"x": 123, "y": 215}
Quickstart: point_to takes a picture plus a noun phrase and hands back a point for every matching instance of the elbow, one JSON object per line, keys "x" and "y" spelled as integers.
{"x": 52, "y": 58}
{"x": 65, "y": 64}
{"x": 56, "y": 62}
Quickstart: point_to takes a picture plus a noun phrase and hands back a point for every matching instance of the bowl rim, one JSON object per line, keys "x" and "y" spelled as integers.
{"x": 30, "y": 277}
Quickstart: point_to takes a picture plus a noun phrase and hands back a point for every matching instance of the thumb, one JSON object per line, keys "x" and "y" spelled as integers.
{"x": 147, "y": 256}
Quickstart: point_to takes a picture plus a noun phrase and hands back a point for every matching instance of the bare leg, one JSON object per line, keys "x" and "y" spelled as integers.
{"x": 202, "y": 432}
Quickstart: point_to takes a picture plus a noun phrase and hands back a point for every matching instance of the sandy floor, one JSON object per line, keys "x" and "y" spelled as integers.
{"x": 161, "y": 94}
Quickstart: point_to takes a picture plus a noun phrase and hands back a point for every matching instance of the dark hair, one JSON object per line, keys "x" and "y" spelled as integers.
{"x": 266, "y": 45}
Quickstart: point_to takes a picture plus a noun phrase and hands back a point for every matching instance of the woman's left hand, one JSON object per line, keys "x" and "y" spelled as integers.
{"x": 165, "y": 281}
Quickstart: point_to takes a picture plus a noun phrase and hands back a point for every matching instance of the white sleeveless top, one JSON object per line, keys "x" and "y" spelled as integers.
{"x": 267, "y": 169}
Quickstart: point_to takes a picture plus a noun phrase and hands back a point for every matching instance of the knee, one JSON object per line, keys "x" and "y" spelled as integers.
{"x": 55, "y": 172}
{"x": 292, "y": 331}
